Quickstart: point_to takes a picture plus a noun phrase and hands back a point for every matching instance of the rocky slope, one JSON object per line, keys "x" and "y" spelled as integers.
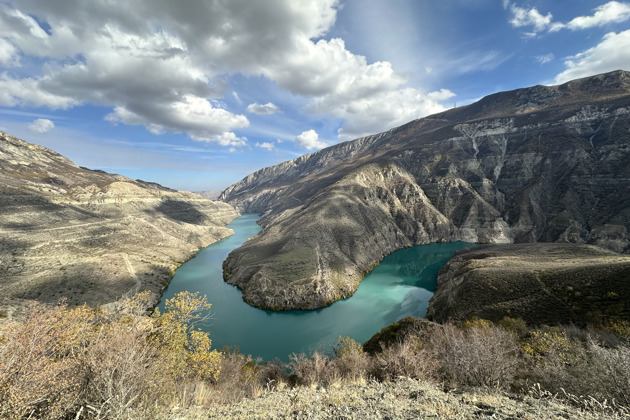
{"x": 91, "y": 236}
{"x": 540, "y": 283}
{"x": 541, "y": 164}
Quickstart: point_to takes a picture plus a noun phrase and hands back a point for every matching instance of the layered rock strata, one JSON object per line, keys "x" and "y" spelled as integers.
{"x": 90, "y": 236}
{"x": 541, "y": 164}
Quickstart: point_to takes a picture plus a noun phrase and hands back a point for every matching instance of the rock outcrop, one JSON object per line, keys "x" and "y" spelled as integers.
{"x": 91, "y": 236}
{"x": 540, "y": 283}
{"x": 541, "y": 164}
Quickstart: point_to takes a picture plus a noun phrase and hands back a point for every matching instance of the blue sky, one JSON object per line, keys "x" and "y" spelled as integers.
{"x": 196, "y": 95}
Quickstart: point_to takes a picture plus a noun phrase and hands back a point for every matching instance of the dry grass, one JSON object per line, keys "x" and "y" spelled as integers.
{"x": 61, "y": 362}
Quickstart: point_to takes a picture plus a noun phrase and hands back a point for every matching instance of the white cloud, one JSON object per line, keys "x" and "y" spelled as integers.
{"x": 28, "y": 92}
{"x": 544, "y": 59}
{"x": 381, "y": 111}
{"x": 613, "y": 53}
{"x": 227, "y": 138}
{"x": 9, "y": 55}
{"x": 528, "y": 17}
{"x": 191, "y": 114}
{"x": 611, "y": 12}
{"x": 266, "y": 109}
{"x": 162, "y": 64}
{"x": 309, "y": 140}
{"x": 369, "y": 97}
{"x": 265, "y": 145}
{"x": 41, "y": 125}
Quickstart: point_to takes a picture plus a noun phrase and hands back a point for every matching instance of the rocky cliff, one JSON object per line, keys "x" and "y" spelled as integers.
{"x": 540, "y": 164}
{"x": 91, "y": 236}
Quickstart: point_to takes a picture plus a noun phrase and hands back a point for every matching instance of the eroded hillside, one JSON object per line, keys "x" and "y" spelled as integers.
{"x": 541, "y": 164}
{"x": 91, "y": 236}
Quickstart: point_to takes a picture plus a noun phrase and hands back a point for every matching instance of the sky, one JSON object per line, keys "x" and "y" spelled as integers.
{"x": 197, "y": 94}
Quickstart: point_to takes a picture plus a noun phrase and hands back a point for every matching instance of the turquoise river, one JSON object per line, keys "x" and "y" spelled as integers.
{"x": 400, "y": 286}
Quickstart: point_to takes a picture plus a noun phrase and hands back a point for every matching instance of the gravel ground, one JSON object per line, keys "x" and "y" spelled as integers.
{"x": 402, "y": 399}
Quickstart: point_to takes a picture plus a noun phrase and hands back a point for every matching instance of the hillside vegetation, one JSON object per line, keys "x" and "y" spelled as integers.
{"x": 84, "y": 362}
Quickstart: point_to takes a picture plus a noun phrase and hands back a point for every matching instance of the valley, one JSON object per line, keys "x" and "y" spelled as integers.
{"x": 539, "y": 164}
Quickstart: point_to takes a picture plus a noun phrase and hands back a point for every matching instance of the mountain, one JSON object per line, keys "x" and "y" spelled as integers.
{"x": 210, "y": 194}
{"x": 88, "y": 235}
{"x": 540, "y": 164}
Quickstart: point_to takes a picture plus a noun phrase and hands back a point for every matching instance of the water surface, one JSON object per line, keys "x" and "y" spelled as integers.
{"x": 400, "y": 286}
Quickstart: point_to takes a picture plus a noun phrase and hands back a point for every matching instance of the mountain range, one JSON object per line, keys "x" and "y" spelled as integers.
{"x": 539, "y": 164}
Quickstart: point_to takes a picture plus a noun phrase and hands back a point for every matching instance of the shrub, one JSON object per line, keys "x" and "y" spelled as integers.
{"x": 480, "y": 355}
{"x": 518, "y": 326}
{"x": 351, "y": 362}
{"x": 239, "y": 377}
{"x": 311, "y": 371}
{"x": 407, "y": 358}
{"x": 612, "y": 369}
{"x": 61, "y": 362}
{"x": 39, "y": 377}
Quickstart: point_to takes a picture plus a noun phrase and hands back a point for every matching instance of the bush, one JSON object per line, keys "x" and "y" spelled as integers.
{"x": 351, "y": 362}
{"x": 612, "y": 369}
{"x": 60, "y": 361}
{"x": 407, "y": 358}
{"x": 312, "y": 371}
{"x": 479, "y": 355}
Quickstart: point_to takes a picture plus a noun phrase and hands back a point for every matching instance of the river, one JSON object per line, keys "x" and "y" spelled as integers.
{"x": 400, "y": 286}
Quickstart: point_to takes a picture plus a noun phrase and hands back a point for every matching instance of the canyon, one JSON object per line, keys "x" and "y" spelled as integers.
{"x": 539, "y": 164}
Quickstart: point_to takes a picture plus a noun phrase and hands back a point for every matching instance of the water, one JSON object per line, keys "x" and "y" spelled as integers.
{"x": 400, "y": 286}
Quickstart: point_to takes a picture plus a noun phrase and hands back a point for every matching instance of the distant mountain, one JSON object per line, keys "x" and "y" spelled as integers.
{"x": 88, "y": 235}
{"x": 210, "y": 194}
{"x": 540, "y": 164}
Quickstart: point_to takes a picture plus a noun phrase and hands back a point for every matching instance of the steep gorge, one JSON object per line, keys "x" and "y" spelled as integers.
{"x": 540, "y": 164}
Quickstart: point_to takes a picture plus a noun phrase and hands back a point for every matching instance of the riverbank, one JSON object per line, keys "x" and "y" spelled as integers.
{"x": 400, "y": 286}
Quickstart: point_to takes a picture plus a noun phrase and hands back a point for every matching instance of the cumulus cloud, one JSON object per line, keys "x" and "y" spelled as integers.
{"x": 528, "y": 17}
{"x": 612, "y": 53}
{"x": 309, "y": 140}
{"x": 369, "y": 97}
{"x": 265, "y": 145}
{"x": 266, "y": 109}
{"x": 611, "y": 12}
{"x": 164, "y": 65}
{"x": 28, "y": 92}
{"x": 191, "y": 114}
{"x": 381, "y": 111}
{"x": 41, "y": 125}
{"x": 9, "y": 56}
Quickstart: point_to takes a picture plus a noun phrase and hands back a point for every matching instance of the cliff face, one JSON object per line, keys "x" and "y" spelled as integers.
{"x": 541, "y": 164}
{"x": 92, "y": 236}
